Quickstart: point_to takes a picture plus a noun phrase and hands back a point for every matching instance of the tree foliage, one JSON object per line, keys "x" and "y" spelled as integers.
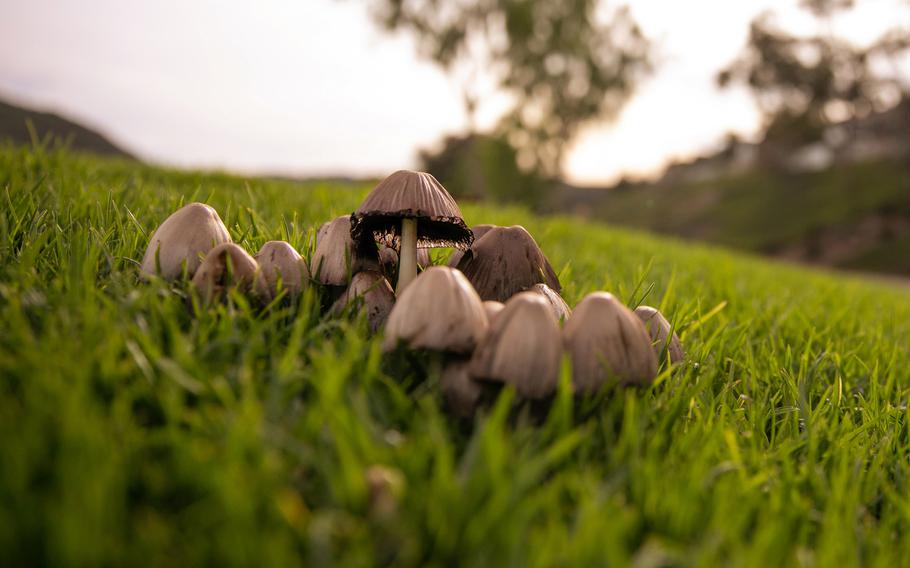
{"x": 562, "y": 62}
{"x": 808, "y": 82}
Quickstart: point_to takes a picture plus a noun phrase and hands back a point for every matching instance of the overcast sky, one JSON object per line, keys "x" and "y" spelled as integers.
{"x": 309, "y": 87}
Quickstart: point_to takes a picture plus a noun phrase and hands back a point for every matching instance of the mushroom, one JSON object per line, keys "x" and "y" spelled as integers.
{"x": 440, "y": 311}
{"x": 461, "y": 393}
{"x": 492, "y": 309}
{"x": 479, "y": 231}
{"x": 280, "y": 262}
{"x": 374, "y": 291}
{"x": 227, "y": 266}
{"x": 388, "y": 257}
{"x": 523, "y": 348}
{"x": 561, "y": 309}
{"x": 186, "y": 236}
{"x": 406, "y": 210}
{"x": 660, "y": 329}
{"x": 607, "y": 342}
{"x": 505, "y": 261}
{"x": 337, "y": 257}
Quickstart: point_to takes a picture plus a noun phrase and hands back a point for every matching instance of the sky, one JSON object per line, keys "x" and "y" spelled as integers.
{"x": 311, "y": 87}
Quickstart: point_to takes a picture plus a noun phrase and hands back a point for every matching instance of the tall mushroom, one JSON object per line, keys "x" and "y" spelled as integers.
{"x": 505, "y": 261}
{"x": 406, "y": 210}
{"x": 607, "y": 342}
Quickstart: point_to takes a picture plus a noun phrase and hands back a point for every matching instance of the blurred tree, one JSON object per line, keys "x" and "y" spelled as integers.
{"x": 804, "y": 84}
{"x": 562, "y": 63}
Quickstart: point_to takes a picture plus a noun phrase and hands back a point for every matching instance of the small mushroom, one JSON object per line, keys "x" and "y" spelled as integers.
{"x": 461, "y": 392}
{"x": 374, "y": 291}
{"x": 439, "y": 311}
{"x": 280, "y": 262}
{"x": 492, "y": 309}
{"x": 186, "y": 236}
{"x": 388, "y": 257}
{"x": 523, "y": 348}
{"x": 660, "y": 329}
{"x": 607, "y": 342}
{"x": 505, "y": 261}
{"x": 227, "y": 266}
{"x": 479, "y": 231}
{"x": 561, "y": 309}
{"x": 406, "y": 210}
{"x": 337, "y": 257}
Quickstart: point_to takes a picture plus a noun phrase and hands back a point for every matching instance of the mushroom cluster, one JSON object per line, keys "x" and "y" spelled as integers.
{"x": 493, "y": 316}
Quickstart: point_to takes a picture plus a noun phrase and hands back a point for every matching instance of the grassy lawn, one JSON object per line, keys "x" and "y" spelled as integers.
{"x": 134, "y": 430}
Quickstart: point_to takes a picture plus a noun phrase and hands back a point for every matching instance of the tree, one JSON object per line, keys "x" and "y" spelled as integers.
{"x": 804, "y": 84}
{"x": 562, "y": 62}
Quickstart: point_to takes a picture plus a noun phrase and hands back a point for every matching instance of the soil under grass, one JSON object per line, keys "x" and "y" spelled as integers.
{"x": 134, "y": 430}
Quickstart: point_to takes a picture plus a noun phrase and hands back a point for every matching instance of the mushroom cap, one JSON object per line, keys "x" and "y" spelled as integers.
{"x": 461, "y": 392}
{"x": 660, "y": 329}
{"x": 439, "y": 311}
{"x": 213, "y": 278}
{"x": 479, "y": 231}
{"x": 186, "y": 235}
{"x": 505, "y": 261}
{"x": 607, "y": 342}
{"x": 523, "y": 347}
{"x": 417, "y": 195}
{"x": 279, "y": 260}
{"x": 561, "y": 309}
{"x": 492, "y": 308}
{"x": 337, "y": 256}
{"x": 375, "y": 292}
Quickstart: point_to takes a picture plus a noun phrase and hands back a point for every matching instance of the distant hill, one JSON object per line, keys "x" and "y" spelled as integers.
{"x": 14, "y": 121}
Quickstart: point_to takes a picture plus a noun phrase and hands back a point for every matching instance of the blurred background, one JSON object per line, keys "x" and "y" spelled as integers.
{"x": 780, "y": 127}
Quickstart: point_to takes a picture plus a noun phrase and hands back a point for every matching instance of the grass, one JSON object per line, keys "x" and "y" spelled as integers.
{"x": 134, "y": 430}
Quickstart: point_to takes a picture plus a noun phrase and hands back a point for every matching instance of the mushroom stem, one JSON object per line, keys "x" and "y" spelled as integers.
{"x": 407, "y": 255}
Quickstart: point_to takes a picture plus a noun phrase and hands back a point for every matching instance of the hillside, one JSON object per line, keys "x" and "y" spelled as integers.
{"x": 854, "y": 216}
{"x": 136, "y": 429}
{"x": 15, "y": 122}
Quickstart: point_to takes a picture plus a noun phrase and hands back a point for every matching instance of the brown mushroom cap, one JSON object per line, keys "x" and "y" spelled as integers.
{"x": 479, "y": 231}
{"x": 523, "y": 348}
{"x": 374, "y": 291}
{"x": 505, "y": 261}
{"x": 660, "y": 329}
{"x": 439, "y": 311}
{"x": 213, "y": 278}
{"x": 492, "y": 308}
{"x": 186, "y": 235}
{"x": 607, "y": 342}
{"x": 417, "y": 195}
{"x": 337, "y": 257}
{"x": 279, "y": 261}
{"x": 561, "y": 309}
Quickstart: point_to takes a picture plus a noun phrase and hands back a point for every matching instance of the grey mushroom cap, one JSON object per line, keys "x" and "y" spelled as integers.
{"x": 374, "y": 291}
{"x": 415, "y": 195}
{"x": 660, "y": 329}
{"x": 561, "y": 309}
{"x": 505, "y": 261}
{"x": 187, "y": 235}
{"x": 607, "y": 342}
{"x": 439, "y": 311}
{"x": 492, "y": 308}
{"x": 278, "y": 260}
{"x": 523, "y": 348}
{"x": 337, "y": 257}
{"x": 479, "y": 231}
{"x": 214, "y": 278}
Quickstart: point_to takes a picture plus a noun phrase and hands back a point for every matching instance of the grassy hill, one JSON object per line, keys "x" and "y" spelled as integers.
{"x": 134, "y": 431}
{"x": 854, "y": 216}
